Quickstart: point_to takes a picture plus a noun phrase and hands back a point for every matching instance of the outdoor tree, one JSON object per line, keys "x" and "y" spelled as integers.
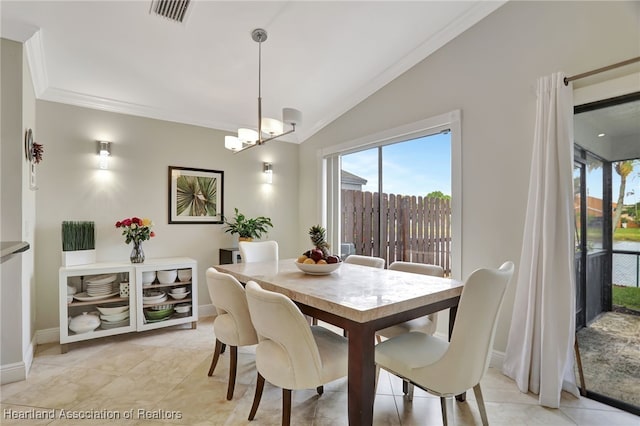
{"x": 438, "y": 194}
{"x": 624, "y": 169}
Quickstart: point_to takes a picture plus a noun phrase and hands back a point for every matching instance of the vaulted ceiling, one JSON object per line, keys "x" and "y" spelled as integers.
{"x": 321, "y": 57}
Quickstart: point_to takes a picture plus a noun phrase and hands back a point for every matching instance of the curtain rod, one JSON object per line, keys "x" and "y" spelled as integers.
{"x": 599, "y": 70}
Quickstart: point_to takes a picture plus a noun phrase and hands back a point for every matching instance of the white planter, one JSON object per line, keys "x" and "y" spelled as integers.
{"x": 78, "y": 257}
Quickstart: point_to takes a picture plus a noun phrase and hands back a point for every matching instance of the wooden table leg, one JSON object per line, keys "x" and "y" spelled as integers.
{"x": 362, "y": 371}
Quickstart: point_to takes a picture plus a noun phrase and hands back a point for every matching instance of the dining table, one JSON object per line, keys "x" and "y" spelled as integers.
{"x": 360, "y": 300}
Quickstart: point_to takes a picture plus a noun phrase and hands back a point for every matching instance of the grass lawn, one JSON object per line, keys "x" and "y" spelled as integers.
{"x": 627, "y": 234}
{"x": 629, "y": 297}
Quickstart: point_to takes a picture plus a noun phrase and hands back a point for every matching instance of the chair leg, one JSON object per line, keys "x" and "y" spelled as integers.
{"x": 286, "y": 407}
{"x": 320, "y": 390}
{"x": 233, "y": 367}
{"x": 407, "y": 389}
{"x": 257, "y": 396}
{"x": 216, "y": 354}
{"x": 480, "y": 400}
{"x": 446, "y": 404}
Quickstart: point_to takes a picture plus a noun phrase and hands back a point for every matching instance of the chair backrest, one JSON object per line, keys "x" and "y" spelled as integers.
{"x": 258, "y": 251}
{"x": 233, "y": 324}
{"x": 471, "y": 342}
{"x": 287, "y": 350}
{"x": 374, "y": 262}
{"x": 417, "y": 268}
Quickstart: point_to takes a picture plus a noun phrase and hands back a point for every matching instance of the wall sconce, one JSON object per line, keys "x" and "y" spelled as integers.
{"x": 104, "y": 151}
{"x": 268, "y": 171}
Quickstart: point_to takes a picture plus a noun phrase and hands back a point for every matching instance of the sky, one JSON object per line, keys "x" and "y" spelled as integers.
{"x": 415, "y": 167}
{"x": 423, "y": 165}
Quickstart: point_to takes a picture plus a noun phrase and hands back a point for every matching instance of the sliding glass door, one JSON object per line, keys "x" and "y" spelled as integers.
{"x": 396, "y": 200}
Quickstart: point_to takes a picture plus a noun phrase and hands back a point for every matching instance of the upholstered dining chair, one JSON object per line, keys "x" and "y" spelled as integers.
{"x": 374, "y": 262}
{"x": 446, "y": 369}
{"x": 258, "y": 251}
{"x": 426, "y": 324}
{"x": 232, "y": 326}
{"x": 290, "y": 353}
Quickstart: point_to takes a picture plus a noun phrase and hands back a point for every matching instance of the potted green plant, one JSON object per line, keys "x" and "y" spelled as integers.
{"x": 247, "y": 228}
{"x": 78, "y": 243}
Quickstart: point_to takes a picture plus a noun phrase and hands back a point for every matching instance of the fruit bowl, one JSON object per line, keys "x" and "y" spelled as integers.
{"x": 318, "y": 269}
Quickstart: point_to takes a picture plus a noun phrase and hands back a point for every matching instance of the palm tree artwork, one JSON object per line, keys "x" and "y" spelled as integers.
{"x": 196, "y": 196}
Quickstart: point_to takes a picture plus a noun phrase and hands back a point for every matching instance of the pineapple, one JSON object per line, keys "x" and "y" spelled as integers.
{"x": 318, "y": 238}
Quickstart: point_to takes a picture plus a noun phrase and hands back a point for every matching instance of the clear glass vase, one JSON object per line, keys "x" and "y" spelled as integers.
{"x": 137, "y": 254}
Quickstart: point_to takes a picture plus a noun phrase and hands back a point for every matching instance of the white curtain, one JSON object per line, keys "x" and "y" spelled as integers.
{"x": 539, "y": 355}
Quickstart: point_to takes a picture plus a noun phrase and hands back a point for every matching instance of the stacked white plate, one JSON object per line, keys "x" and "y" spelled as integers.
{"x": 106, "y": 325}
{"x": 115, "y": 318}
{"x": 101, "y": 285}
{"x": 157, "y": 296}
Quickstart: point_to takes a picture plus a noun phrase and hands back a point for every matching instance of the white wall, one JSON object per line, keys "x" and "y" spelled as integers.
{"x": 17, "y": 208}
{"x": 136, "y": 184}
{"x": 489, "y": 73}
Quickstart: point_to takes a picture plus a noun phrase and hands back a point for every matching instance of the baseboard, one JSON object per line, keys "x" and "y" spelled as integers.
{"x": 497, "y": 359}
{"x": 48, "y": 335}
{"x": 29, "y": 354}
{"x": 14, "y": 372}
{"x": 206, "y": 311}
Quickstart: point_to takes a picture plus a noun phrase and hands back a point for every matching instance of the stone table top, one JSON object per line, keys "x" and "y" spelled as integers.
{"x": 355, "y": 292}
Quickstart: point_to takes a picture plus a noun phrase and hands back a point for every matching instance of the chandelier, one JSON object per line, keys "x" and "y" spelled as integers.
{"x": 270, "y": 128}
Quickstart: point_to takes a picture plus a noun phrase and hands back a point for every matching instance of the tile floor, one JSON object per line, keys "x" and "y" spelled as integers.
{"x": 160, "y": 377}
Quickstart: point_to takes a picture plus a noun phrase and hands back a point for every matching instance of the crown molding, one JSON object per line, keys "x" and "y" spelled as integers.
{"x": 35, "y": 57}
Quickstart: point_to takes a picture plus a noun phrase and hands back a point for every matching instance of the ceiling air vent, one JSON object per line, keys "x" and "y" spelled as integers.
{"x": 175, "y": 10}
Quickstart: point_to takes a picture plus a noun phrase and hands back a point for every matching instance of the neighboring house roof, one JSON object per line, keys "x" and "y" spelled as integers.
{"x": 350, "y": 178}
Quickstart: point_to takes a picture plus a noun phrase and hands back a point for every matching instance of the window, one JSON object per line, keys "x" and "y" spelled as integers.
{"x": 376, "y": 194}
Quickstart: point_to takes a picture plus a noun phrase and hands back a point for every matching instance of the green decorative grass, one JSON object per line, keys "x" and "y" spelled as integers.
{"x": 78, "y": 236}
{"x": 629, "y": 297}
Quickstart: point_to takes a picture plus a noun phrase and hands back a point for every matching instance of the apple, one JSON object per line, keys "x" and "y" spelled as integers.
{"x": 316, "y": 254}
{"x": 332, "y": 259}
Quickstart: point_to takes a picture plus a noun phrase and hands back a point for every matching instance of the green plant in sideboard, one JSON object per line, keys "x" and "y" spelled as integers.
{"x": 78, "y": 236}
{"x": 247, "y": 227}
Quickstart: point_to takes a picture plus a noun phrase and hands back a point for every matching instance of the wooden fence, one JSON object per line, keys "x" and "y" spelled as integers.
{"x": 412, "y": 229}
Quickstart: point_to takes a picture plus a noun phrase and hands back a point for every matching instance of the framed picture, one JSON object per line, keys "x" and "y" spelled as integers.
{"x": 195, "y": 195}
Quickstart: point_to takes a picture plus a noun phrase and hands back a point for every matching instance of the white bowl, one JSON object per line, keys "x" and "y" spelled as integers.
{"x": 182, "y": 309}
{"x": 184, "y": 275}
{"x": 112, "y": 310}
{"x": 84, "y": 323}
{"x": 71, "y": 290}
{"x": 315, "y": 269}
{"x": 69, "y": 299}
{"x": 115, "y": 317}
{"x": 148, "y": 277}
{"x": 179, "y": 296}
{"x": 167, "y": 277}
{"x": 178, "y": 290}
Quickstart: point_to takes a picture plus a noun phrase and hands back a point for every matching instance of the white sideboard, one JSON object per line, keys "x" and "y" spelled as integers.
{"x": 142, "y": 313}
